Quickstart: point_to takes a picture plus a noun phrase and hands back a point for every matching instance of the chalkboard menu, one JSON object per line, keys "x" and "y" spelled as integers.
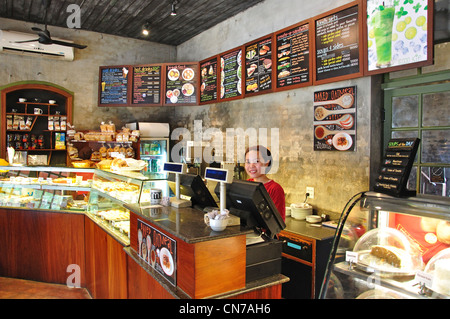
{"x": 231, "y": 74}
{"x": 158, "y": 250}
{"x": 208, "y": 81}
{"x": 335, "y": 119}
{"x": 337, "y": 45}
{"x": 293, "y": 62}
{"x": 181, "y": 83}
{"x": 396, "y": 167}
{"x": 114, "y": 85}
{"x": 147, "y": 82}
{"x": 258, "y": 66}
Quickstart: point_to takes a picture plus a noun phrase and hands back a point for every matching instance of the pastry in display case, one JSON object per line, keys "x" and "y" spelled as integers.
{"x": 49, "y": 188}
{"x": 110, "y": 215}
{"x": 404, "y": 244}
{"x": 387, "y": 252}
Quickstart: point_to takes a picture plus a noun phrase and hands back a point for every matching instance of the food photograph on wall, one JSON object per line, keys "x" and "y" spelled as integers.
{"x": 335, "y": 119}
{"x": 397, "y": 33}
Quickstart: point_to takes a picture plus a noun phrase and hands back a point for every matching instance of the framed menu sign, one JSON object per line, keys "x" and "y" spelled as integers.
{"x": 147, "y": 82}
{"x": 258, "y": 66}
{"x": 158, "y": 250}
{"x": 397, "y": 35}
{"x": 114, "y": 85}
{"x": 208, "y": 81}
{"x": 338, "y": 51}
{"x": 396, "y": 167}
{"x": 231, "y": 75}
{"x": 181, "y": 83}
{"x": 335, "y": 119}
{"x": 293, "y": 58}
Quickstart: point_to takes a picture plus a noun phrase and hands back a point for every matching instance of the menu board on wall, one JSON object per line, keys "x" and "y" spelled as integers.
{"x": 335, "y": 119}
{"x": 181, "y": 83}
{"x": 208, "y": 80}
{"x": 398, "y": 35}
{"x": 258, "y": 66}
{"x": 337, "y": 45}
{"x": 293, "y": 60}
{"x": 158, "y": 250}
{"x": 147, "y": 82}
{"x": 231, "y": 74}
{"x": 396, "y": 167}
{"x": 113, "y": 85}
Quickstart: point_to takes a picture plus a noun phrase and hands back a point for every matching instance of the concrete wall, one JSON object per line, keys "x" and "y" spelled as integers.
{"x": 81, "y": 75}
{"x": 336, "y": 176}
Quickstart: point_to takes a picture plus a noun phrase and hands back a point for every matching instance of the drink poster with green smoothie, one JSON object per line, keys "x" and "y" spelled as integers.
{"x": 397, "y": 32}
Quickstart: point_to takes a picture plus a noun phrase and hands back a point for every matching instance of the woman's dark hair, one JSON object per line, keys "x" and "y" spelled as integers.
{"x": 264, "y": 152}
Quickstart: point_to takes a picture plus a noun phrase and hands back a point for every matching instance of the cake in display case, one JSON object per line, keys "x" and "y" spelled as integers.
{"x": 401, "y": 249}
{"x": 387, "y": 252}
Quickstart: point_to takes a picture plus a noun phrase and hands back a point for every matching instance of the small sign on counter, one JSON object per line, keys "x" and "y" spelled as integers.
{"x": 158, "y": 250}
{"x": 396, "y": 167}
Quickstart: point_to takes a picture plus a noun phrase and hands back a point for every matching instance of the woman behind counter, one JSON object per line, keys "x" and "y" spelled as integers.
{"x": 258, "y": 161}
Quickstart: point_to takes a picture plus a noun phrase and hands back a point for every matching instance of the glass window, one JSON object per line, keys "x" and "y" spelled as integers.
{"x": 435, "y": 109}
{"x": 416, "y": 109}
{"x": 404, "y": 111}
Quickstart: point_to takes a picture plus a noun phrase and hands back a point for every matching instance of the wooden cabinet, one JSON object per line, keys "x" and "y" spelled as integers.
{"x": 106, "y": 264}
{"x": 31, "y": 104}
{"x": 39, "y": 245}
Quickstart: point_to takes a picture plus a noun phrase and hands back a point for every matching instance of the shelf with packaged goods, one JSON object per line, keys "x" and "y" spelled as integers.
{"x": 390, "y": 245}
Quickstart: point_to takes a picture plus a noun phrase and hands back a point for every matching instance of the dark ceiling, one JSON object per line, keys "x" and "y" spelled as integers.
{"x": 127, "y": 17}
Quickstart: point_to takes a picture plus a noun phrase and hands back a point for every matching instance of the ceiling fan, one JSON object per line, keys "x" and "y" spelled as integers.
{"x": 44, "y": 35}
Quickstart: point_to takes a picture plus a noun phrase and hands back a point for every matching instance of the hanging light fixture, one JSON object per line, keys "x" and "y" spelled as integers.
{"x": 146, "y": 29}
{"x": 174, "y": 8}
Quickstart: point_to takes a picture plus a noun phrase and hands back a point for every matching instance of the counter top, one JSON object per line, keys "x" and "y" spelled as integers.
{"x": 303, "y": 228}
{"x": 184, "y": 223}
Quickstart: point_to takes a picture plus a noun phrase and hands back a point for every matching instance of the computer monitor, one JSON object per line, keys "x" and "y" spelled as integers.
{"x": 193, "y": 187}
{"x": 251, "y": 202}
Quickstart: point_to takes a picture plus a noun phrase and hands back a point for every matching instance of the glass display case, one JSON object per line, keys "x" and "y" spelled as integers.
{"x": 48, "y": 188}
{"x": 128, "y": 187}
{"x": 101, "y": 195}
{"x": 387, "y": 247}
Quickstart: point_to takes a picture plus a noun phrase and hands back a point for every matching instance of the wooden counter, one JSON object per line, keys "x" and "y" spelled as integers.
{"x": 40, "y": 245}
{"x": 208, "y": 263}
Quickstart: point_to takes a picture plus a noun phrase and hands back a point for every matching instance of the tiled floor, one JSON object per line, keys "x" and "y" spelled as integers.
{"x": 11, "y": 288}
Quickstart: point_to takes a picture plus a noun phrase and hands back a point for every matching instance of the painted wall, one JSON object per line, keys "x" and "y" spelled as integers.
{"x": 336, "y": 176}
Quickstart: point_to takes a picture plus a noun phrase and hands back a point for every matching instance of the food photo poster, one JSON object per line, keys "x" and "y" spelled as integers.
{"x": 335, "y": 119}
{"x": 398, "y": 34}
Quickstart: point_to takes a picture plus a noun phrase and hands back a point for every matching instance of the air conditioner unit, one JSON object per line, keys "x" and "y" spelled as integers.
{"x": 8, "y": 44}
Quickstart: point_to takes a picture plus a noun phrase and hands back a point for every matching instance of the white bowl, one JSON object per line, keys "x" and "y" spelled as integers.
{"x": 21, "y": 99}
{"x": 218, "y": 224}
{"x": 52, "y": 101}
{"x": 313, "y": 219}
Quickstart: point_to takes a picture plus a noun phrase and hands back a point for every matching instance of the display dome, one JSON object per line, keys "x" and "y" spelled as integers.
{"x": 439, "y": 267}
{"x": 389, "y": 252}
